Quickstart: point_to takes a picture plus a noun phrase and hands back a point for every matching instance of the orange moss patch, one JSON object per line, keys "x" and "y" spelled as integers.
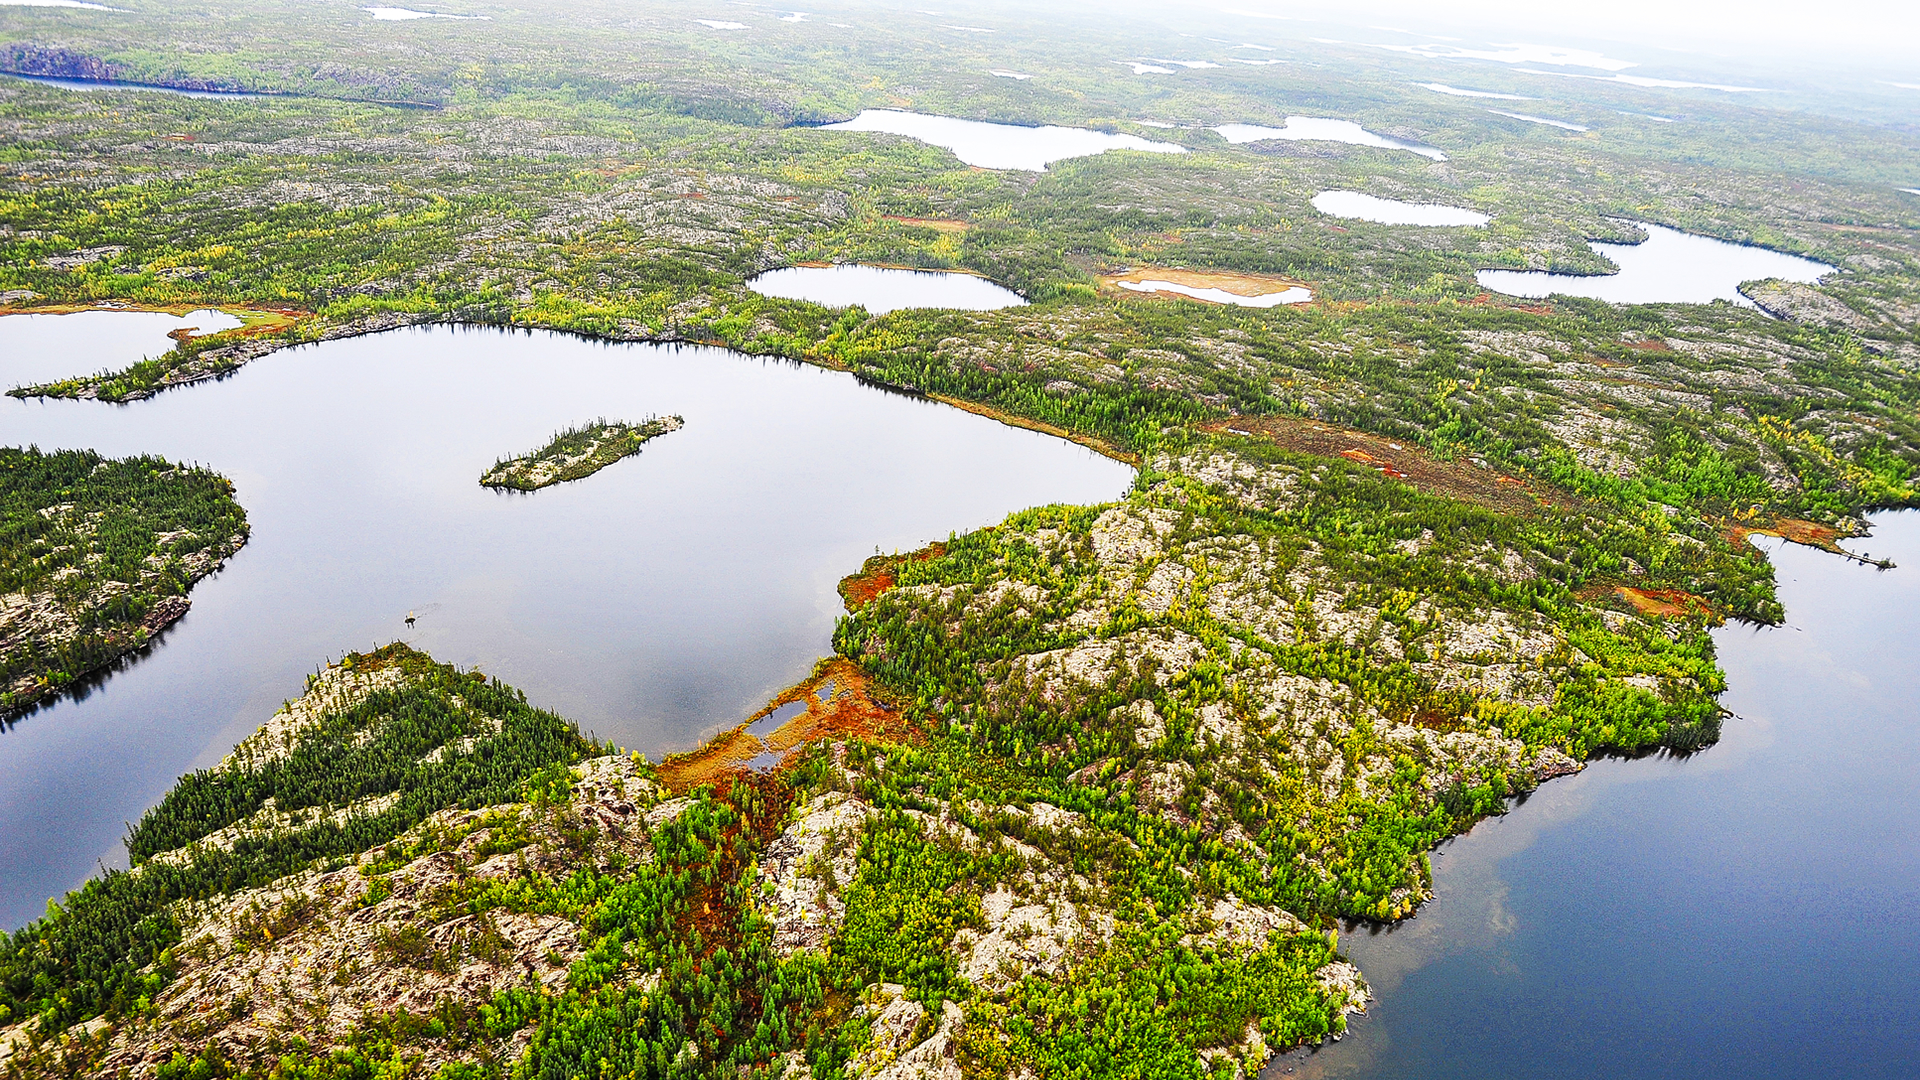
{"x": 841, "y": 701}
{"x": 860, "y": 590}
{"x": 1664, "y": 603}
{"x": 945, "y": 225}
{"x": 1459, "y": 478}
{"x": 1796, "y": 531}
{"x": 1224, "y": 280}
{"x": 877, "y": 575}
{"x": 1810, "y": 533}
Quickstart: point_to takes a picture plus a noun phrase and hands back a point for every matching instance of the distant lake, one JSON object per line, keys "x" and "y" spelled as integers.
{"x": 883, "y": 289}
{"x": 657, "y": 602}
{"x": 1746, "y": 911}
{"x": 114, "y": 84}
{"x": 1361, "y": 207}
{"x": 1321, "y": 129}
{"x": 1671, "y": 267}
{"x": 1532, "y": 119}
{"x": 40, "y": 347}
{"x": 1000, "y": 146}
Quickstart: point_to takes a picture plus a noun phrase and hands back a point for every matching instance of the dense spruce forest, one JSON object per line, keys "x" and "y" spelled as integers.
{"x": 96, "y": 557}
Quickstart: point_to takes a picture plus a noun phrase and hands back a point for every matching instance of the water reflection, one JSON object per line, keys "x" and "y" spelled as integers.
{"x": 665, "y": 598}
{"x": 1357, "y": 206}
{"x": 1670, "y": 267}
{"x": 883, "y": 289}
{"x": 114, "y": 84}
{"x": 1745, "y": 911}
{"x": 1321, "y": 129}
{"x": 1000, "y": 146}
{"x": 41, "y": 347}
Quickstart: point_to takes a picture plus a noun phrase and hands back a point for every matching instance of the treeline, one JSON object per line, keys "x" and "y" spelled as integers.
{"x": 96, "y": 544}
{"x": 87, "y": 956}
{"x": 1349, "y": 856}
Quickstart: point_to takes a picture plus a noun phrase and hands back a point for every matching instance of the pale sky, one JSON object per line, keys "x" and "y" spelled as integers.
{"x": 1888, "y": 30}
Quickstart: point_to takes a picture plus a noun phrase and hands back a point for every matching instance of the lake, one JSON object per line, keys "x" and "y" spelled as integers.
{"x": 656, "y": 602}
{"x": 39, "y": 347}
{"x": 1746, "y": 911}
{"x": 1670, "y": 267}
{"x": 400, "y": 14}
{"x": 1532, "y": 119}
{"x": 112, "y": 84}
{"x": 1321, "y": 129}
{"x": 1000, "y": 146}
{"x": 1361, "y": 207}
{"x": 882, "y": 289}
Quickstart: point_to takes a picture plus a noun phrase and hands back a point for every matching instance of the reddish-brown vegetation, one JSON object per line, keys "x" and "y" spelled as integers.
{"x": 1225, "y": 280}
{"x": 876, "y": 575}
{"x": 1457, "y": 478}
{"x": 853, "y": 709}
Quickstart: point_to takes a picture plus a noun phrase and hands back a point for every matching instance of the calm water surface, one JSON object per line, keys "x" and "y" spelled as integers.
{"x": 1000, "y": 146}
{"x": 1671, "y": 267}
{"x": 656, "y": 602}
{"x": 114, "y": 84}
{"x": 43, "y": 348}
{"x": 1322, "y": 129}
{"x": 1748, "y": 911}
{"x": 1361, "y": 207}
{"x": 1532, "y": 119}
{"x": 882, "y": 289}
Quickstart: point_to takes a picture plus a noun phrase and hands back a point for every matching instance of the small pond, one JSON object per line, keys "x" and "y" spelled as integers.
{"x": 1670, "y": 267}
{"x": 1321, "y": 129}
{"x": 1746, "y": 911}
{"x": 663, "y": 599}
{"x": 1000, "y": 146}
{"x": 40, "y": 347}
{"x": 882, "y": 289}
{"x": 1361, "y": 207}
{"x": 1455, "y": 91}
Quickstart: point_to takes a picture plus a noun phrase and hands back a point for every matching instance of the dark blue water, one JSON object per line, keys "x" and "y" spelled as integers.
{"x": 1750, "y": 911}
{"x": 115, "y": 84}
{"x": 656, "y": 602}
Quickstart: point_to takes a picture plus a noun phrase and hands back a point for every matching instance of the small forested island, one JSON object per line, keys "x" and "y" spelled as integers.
{"x": 96, "y": 557}
{"x": 577, "y": 453}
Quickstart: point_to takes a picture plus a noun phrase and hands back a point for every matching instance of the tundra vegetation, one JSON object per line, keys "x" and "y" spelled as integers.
{"x": 577, "y": 453}
{"x": 1393, "y": 557}
{"x": 96, "y": 557}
